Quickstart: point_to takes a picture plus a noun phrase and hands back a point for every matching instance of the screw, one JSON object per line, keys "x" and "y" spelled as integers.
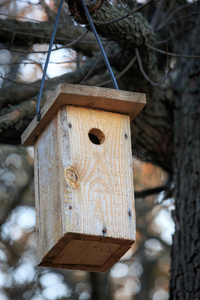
{"x": 70, "y": 125}
{"x": 126, "y": 136}
{"x": 129, "y": 213}
{"x": 70, "y": 207}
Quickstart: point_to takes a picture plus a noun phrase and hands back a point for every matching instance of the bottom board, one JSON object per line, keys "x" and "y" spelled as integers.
{"x": 86, "y": 252}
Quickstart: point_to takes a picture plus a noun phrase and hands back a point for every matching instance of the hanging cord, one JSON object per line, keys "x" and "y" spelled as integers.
{"x": 47, "y": 60}
{"x": 100, "y": 46}
{"x": 50, "y": 47}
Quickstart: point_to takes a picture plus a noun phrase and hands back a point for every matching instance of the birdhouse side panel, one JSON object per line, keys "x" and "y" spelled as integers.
{"x": 98, "y": 176}
{"x": 47, "y": 190}
{"x": 66, "y": 170}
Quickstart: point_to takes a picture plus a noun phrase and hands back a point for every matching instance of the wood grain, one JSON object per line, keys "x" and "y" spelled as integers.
{"x": 102, "y": 198}
{"x": 128, "y": 103}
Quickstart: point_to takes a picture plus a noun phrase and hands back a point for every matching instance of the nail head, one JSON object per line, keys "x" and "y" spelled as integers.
{"x": 104, "y": 230}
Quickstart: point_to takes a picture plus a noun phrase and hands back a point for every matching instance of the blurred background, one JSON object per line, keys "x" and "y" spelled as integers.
{"x": 143, "y": 272}
{"x": 144, "y": 269}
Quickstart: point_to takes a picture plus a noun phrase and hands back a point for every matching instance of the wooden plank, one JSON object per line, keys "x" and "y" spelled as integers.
{"x": 103, "y": 239}
{"x": 47, "y": 190}
{"x": 101, "y": 201}
{"x": 61, "y": 257}
{"x": 88, "y": 252}
{"x": 123, "y": 102}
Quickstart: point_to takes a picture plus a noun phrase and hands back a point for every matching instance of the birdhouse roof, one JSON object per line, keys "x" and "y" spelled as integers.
{"x": 111, "y": 100}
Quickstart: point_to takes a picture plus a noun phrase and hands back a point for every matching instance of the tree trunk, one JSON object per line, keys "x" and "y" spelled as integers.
{"x": 185, "y": 268}
{"x": 100, "y": 286}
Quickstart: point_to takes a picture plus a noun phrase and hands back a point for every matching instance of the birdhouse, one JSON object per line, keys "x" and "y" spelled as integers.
{"x": 83, "y": 169}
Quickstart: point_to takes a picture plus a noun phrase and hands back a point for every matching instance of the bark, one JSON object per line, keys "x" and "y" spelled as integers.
{"x": 14, "y": 119}
{"x": 25, "y": 34}
{"x": 19, "y": 92}
{"x": 133, "y": 31}
{"x": 185, "y": 269}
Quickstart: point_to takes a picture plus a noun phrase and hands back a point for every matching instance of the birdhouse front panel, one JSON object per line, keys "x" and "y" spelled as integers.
{"x": 84, "y": 177}
{"x": 97, "y": 180}
{"x": 84, "y": 186}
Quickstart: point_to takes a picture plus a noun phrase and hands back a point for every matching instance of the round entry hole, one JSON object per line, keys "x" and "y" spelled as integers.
{"x": 96, "y": 136}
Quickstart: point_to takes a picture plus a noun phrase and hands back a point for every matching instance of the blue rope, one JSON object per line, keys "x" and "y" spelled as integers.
{"x": 100, "y": 45}
{"x": 47, "y": 60}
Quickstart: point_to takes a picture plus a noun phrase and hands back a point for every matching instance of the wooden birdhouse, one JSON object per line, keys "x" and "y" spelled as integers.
{"x": 84, "y": 176}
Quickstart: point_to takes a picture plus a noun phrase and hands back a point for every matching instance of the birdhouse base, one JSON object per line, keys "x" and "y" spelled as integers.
{"x": 86, "y": 252}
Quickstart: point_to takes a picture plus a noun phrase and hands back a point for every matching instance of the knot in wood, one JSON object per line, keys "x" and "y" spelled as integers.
{"x": 71, "y": 175}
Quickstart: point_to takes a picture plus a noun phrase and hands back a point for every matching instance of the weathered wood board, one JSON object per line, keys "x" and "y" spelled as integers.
{"x": 122, "y": 102}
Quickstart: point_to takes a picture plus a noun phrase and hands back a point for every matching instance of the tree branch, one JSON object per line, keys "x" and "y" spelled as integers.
{"x": 14, "y": 119}
{"x": 123, "y": 17}
{"x": 133, "y": 31}
{"x": 144, "y": 73}
{"x": 172, "y": 54}
{"x": 69, "y": 45}
{"x": 153, "y": 191}
{"x": 121, "y": 73}
{"x": 29, "y": 33}
{"x": 152, "y": 128}
{"x": 17, "y": 93}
